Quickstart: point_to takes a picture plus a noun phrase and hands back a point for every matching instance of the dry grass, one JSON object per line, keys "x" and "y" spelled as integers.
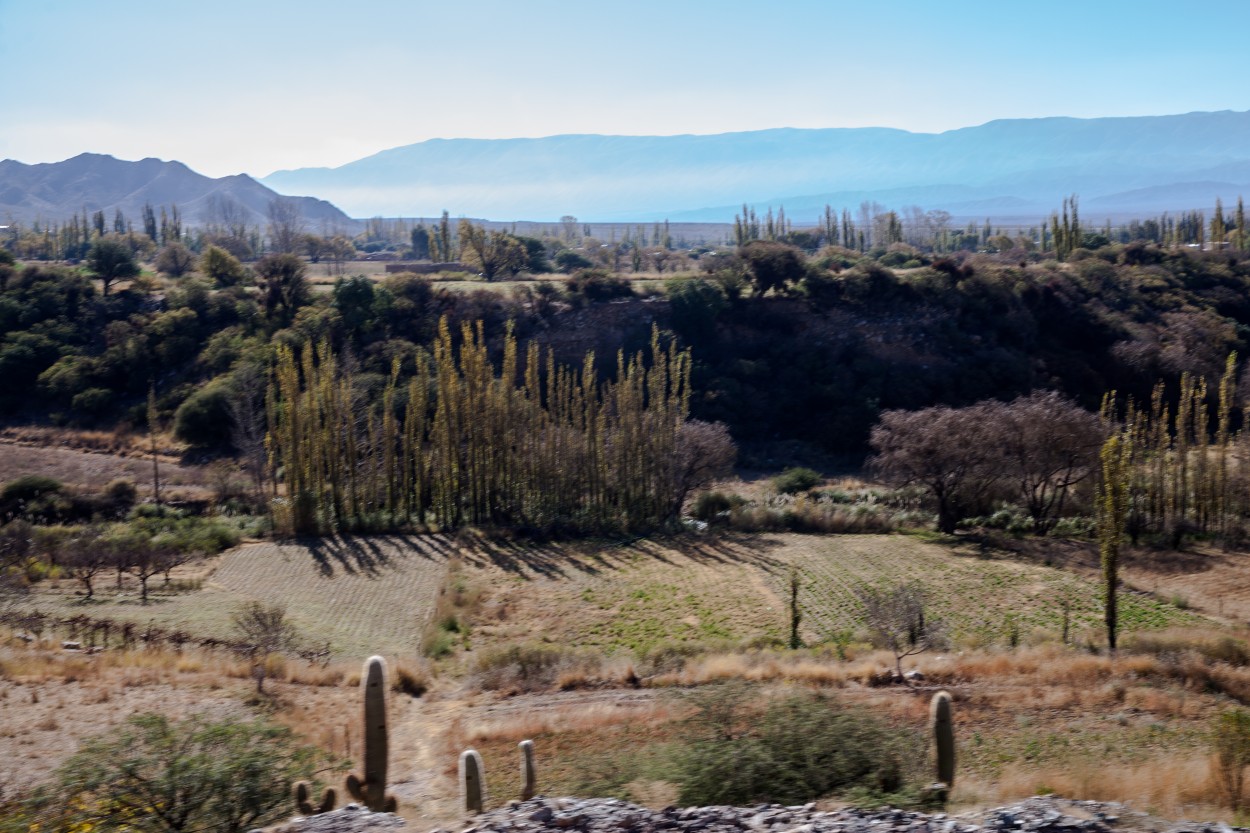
{"x": 87, "y": 467}
{"x": 1179, "y": 786}
{"x": 572, "y": 718}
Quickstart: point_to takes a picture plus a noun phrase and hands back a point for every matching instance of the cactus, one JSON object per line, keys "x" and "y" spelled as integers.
{"x": 371, "y": 789}
{"x": 472, "y": 781}
{"x": 303, "y": 799}
{"x": 528, "y": 781}
{"x": 943, "y": 737}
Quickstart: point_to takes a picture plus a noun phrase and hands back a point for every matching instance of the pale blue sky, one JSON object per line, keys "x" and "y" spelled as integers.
{"x": 250, "y": 85}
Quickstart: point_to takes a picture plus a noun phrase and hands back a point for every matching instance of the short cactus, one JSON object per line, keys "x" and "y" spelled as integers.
{"x": 528, "y": 781}
{"x": 943, "y": 737}
{"x": 303, "y": 799}
{"x": 472, "y": 781}
{"x": 371, "y": 789}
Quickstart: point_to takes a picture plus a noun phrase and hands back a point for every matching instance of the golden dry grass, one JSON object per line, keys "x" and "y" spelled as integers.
{"x": 80, "y": 461}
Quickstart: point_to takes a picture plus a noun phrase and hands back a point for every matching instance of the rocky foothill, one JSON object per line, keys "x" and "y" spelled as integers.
{"x": 1047, "y": 814}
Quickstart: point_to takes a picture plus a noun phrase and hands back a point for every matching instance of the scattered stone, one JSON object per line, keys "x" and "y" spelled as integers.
{"x": 351, "y": 818}
{"x": 1035, "y": 815}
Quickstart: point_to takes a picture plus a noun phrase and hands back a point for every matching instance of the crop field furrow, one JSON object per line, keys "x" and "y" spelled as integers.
{"x": 981, "y": 600}
{"x": 359, "y": 595}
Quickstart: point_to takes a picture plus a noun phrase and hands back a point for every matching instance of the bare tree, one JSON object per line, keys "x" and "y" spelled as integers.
{"x": 951, "y": 452}
{"x": 83, "y": 555}
{"x": 16, "y": 543}
{"x": 705, "y": 452}
{"x": 286, "y": 225}
{"x": 1049, "y": 444}
{"x": 897, "y": 618}
{"x": 144, "y": 562}
{"x": 246, "y": 404}
{"x": 1042, "y": 445}
{"x": 227, "y": 220}
{"x": 267, "y": 630}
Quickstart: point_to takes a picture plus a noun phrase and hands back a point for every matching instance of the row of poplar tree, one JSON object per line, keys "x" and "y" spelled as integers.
{"x": 522, "y": 443}
{"x": 1178, "y": 466}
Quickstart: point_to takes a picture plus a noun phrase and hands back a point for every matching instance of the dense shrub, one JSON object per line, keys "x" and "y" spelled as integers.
{"x": 599, "y": 285}
{"x": 795, "y": 480}
{"x": 1231, "y": 745}
{"x": 230, "y": 776}
{"x": 802, "y": 747}
{"x": 710, "y": 505}
{"x": 569, "y": 261}
{"x": 203, "y": 420}
{"x": 529, "y": 667}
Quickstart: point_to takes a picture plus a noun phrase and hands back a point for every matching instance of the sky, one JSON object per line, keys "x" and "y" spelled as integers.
{"x": 234, "y": 86}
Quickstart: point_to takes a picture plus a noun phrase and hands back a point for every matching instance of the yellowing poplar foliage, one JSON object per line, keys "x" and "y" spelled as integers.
{"x": 527, "y": 443}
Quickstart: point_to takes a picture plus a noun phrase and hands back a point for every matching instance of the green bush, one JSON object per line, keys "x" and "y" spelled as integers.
{"x": 29, "y": 487}
{"x": 92, "y": 401}
{"x": 599, "y": 285}
{"x": 569, "y": 261}
{"x": 1231, "y": 745}
{"x": 154, "y": 774}
{"x": 795, "y": 480}
{"x": 709, "y": 505}
{"x": 802, "y": 747}
{"x": 204, "y": 420}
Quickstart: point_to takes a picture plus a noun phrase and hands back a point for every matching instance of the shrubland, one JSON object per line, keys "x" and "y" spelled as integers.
{"x": 983, "y": 385}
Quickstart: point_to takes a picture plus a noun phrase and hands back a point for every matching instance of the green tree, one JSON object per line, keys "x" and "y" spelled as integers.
{"x": 221, "y": 267}
{"x": 421, "y": 243}
{"x": 158, "y": 775}
{"x": 494, "y": 252}
{"x": 772, "y": 265}
{"x": 354, "y": 298}
{"x": 203, "y": 419}
{"x": 284, "y": 283}
{"x": 1112, "y": 509}
{"x": 110, "y": 259}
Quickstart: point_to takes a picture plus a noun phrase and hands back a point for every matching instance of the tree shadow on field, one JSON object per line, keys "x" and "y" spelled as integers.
{"x": 1179, "y": 563}
{"x": 532, "y": 559}
{"x": 1082, "y": 556}
{"x": 370, "y": 556}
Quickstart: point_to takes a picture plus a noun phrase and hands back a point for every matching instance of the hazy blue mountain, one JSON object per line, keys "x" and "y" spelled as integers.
{"x": 1024, "y": 166}
{"x": 94, "y": 182}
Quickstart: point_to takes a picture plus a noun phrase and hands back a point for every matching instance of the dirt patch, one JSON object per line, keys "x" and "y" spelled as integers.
{"x": 84, "y": 469}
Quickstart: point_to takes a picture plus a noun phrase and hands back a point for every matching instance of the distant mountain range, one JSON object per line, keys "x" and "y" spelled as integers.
{"x": 93, "y": 182}
{"x": 1013, "y": 171}
{"x": 1018, "y": 169}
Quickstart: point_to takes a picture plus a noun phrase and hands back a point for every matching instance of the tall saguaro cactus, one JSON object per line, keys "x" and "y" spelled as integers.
{"x": 371, "y": 789}
{"x": 943, "y": 737}
{"x": 472, "y": 781}
{"x": 529, "y": 783}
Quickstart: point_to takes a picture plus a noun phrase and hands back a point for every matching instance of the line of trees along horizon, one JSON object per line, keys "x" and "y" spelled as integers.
{"x": 871, "y": 226}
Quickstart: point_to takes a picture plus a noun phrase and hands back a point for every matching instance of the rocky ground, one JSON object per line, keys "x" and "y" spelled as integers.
{"x": 1047, "y": 814}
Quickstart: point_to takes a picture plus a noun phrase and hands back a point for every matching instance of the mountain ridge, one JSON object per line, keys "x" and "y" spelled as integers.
{"x": 1033, "y": 162}
{"x": 99, "y": 182}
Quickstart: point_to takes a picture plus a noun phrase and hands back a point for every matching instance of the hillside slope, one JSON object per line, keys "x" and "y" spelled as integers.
{"x": 93, "y": 182}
